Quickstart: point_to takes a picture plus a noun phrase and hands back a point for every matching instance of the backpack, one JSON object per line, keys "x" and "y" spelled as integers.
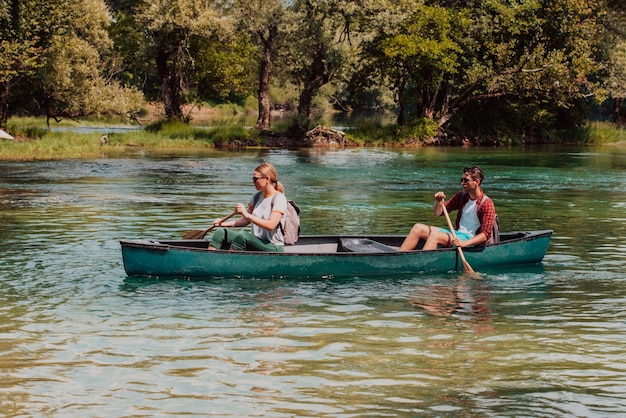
{"x": 291, "y": 231}
{"x": 495, "y": 232}
{"x": 292, "y": 223}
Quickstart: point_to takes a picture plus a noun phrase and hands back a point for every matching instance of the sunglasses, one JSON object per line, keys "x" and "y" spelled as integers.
{"x": 255, "y": 179}
{"x": 466, "y": 180}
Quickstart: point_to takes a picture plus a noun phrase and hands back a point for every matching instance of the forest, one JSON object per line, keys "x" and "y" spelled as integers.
{"x": 532, "y": 70}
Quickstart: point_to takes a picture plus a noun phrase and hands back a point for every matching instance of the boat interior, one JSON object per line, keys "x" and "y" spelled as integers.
{"x": 319, "y": 244}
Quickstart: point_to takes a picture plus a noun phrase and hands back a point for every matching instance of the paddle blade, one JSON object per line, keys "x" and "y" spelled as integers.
{"x": 200, "y": 233}
{"x": 195, "y": 234}
{"x": 467, "y": 268}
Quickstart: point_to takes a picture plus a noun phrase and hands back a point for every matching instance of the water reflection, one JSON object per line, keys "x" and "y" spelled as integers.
{"x": 463, "y": 298}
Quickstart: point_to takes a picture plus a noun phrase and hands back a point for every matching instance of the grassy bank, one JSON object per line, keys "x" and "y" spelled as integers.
{"x": 604, "y": 133}
{"x": 33, "y": 141}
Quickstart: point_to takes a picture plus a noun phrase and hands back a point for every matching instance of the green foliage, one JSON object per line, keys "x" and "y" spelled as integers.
{"x": 44, "y": 145}
{"x": 616, "y": 65}
{"x": 56, "y": 60}
{"x": 224, "y": 71}
{"x": 284, "y": 96}
{"x": 445, "y": 60}
{"x": 171, "y": 128}
{"x": 375, "y": 133}
{"x": 522, "y": 70}
{"x": 198, "y": 54}
{"x": 250, "y": 104}
{"x": 220, "y": 131}
{"x": 31, "y": 132}
{"x": 316, "y": 53}
{"x": 602, "y": 133}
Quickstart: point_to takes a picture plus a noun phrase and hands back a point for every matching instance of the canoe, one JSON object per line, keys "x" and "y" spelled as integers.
{"x": 319, "y": 256}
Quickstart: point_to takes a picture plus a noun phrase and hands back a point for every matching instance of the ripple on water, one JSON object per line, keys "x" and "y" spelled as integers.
{"x": 80, "y": 337}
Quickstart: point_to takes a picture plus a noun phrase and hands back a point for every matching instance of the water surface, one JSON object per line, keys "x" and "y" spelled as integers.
{"x": 80, "y": 338}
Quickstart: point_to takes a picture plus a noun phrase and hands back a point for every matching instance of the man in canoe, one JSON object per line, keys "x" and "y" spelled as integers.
{"x": 474, "y": 221}
{"x": 265, "y": 211}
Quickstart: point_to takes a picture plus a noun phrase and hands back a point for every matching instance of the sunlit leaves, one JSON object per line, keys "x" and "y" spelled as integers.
{"x": 451, "y": 56}
{"x": 54, "y": 57}
{"x": 616, "y": 82}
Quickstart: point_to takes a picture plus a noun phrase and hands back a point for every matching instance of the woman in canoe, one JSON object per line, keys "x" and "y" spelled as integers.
{"x": 265, "y": 211}
{"x": 474, "y": 222}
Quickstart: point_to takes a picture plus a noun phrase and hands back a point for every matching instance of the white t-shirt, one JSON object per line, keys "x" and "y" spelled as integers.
{"x": 262, "y": 210}
{"x": 469, "y": 223}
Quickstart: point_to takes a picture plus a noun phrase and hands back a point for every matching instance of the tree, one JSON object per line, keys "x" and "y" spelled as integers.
{"x": 169, "y": 25}
{"x": 264, "y": 20}
{"x": 318, "y": 31}
{"x": 447, "y": 56}
{"x": 177, "y": 31}
{"x": 56, "y": 63}
{"x": 420, "y": 55}
{"x": 538, "y": 59}
{"x": 614, "y": 47}
{"x": 72, "y": 78}
{"x": 22, "y": 44}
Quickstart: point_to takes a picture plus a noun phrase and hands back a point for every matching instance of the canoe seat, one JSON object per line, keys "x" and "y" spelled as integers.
{"x": 330, "y": 247}
{"x": 366, "y": 245}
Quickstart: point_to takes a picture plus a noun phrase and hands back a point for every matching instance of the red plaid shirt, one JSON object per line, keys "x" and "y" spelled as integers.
{"x": 486, "y": 211}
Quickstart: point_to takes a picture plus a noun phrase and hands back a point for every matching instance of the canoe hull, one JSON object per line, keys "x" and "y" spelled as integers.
{"x": 191, "y": 259}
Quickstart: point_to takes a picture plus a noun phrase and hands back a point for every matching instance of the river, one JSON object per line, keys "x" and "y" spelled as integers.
{"x": 80, "y": 338}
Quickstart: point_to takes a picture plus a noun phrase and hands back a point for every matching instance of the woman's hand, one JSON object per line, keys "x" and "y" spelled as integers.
{"x": 221, "y": 221}
{"x": 242, "y": 210}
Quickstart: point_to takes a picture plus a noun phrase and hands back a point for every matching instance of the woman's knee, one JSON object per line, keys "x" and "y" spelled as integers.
{"x": 239, "y": 242}
{"x": 219, "y": 239}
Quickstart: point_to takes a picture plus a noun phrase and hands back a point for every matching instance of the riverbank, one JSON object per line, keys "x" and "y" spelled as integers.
{"x": 95, "y": 139}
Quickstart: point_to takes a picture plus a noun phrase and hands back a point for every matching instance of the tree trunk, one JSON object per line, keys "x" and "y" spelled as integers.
{"x": 617, "y": 110}
{"x": 170, "y": 90}
{"x": 401, "y": 119}
{"x": 263, "y": 94}
{"x": 318, "y": 76}
{"x": 304, "y": 108}
{"x": 4, "y": 104}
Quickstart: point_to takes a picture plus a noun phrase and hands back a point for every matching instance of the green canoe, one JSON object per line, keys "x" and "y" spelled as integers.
{"x": 325, "y": 257}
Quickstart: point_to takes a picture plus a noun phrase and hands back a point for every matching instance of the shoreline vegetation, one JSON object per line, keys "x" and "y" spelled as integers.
{"x": 212, "y": 129}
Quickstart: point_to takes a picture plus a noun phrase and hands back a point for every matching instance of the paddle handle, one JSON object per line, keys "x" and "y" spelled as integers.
{"x": 466, "y": 267}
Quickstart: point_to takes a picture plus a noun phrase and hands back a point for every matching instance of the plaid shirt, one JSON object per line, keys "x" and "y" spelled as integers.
{"x": 486, "y": 211}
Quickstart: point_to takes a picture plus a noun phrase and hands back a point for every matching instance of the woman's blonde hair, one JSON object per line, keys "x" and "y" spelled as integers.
{"x": 269, "y": 171}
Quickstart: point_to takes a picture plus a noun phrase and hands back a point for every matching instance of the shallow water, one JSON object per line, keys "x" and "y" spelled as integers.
{"x": 79, "y": 338}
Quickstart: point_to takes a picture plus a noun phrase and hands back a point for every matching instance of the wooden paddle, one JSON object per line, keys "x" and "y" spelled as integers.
{"x": 466, "y": 267}
{"x": 200, "y": 233}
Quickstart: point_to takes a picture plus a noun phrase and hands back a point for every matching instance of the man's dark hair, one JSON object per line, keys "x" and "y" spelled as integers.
{"x": 476, "y": 173}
